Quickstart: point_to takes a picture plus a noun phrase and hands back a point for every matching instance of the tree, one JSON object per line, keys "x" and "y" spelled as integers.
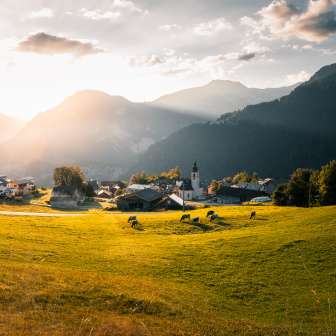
{"x": 139, "y": 178}
{"x": 280, "y": 195}
{"x": 215, "y": 186}
{"x": 302, "y": 188}
{"x": 327, "y": 183}
{"x": 240, "y": 177}
{"x": 71, "y": 176}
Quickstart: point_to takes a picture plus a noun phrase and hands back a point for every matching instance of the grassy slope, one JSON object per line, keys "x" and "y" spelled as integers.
{"x": 94, "y": 275}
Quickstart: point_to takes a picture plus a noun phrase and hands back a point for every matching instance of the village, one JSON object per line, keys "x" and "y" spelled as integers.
{"x": 165, "y": 192}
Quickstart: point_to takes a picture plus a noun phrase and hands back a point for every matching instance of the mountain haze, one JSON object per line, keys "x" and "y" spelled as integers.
{"x": 272, "y": 138}
{"x": 9, "y": 127}
{"x": 219, "y": 97}
{"x": 100, "y": 132}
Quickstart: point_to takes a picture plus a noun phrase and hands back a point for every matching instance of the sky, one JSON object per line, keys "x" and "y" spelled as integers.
{"x": 143, "y": 49}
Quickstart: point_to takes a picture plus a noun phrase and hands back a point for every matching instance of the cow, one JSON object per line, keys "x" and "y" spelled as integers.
{"x": 210, "y": 213}
{"x": 213, "y": 217}
{"x": 184, "y": 217}
{"x": 196, "y": 220}
{"x": 253, "y": 215}
{"x": 131, "y": 219}
{"x": 134, "y": 223}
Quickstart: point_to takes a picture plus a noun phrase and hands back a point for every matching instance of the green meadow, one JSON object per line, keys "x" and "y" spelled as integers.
{"x": 95, "y": 275}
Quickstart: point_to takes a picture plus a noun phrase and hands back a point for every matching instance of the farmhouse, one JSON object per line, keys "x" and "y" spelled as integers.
{"x": 143, "y": 200}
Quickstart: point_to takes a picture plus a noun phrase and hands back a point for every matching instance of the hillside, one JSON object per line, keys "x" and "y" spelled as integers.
{"x": 270, "y": 138}
{"x": 309, "y": 108}
{"x": 219, "y": 97}
{"x": 97, "y": 131}
{"x": 9, "y": 127}
{"x": 95, "y": 275}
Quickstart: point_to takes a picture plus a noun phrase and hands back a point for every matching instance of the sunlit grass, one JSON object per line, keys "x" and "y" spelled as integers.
{"x": 94, "y": 275}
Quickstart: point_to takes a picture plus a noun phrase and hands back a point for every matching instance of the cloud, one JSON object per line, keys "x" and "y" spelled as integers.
{"x": 97, "y": 15}
{"x": 170, "y": 27}
{"x": 247, "y": 57}
{"x": 128, "y": 5}
{"x": 147, "y": 61}
{"x": 42, "y": 43}
{"x": 282, "y": 20}
{"x": 212, "y": 27}
{"x": 42, "y": 13}
{"x": 299, "y": 77}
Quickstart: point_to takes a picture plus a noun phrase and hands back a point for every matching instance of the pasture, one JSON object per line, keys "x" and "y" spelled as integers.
{"x": 95, "y": 275}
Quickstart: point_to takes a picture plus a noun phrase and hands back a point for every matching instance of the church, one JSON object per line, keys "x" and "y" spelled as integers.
{"x": 190, "y": 189}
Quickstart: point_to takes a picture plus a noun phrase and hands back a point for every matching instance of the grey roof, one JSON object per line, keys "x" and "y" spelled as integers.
{"x": 148, "y": 195}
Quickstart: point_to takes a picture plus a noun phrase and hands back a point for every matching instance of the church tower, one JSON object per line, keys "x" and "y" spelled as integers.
{"x": 195, "y": 181}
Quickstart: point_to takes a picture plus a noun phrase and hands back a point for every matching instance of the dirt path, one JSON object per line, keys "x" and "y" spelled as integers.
{"x": 38, "y": 214}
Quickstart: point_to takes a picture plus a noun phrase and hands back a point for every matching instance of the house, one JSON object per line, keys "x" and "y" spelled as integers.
{"x": 190, "y": 189}
{"x": 65, "y": 197}
{"x": 104, "y": 194}
{"x": 265, "y": 185}
{"x": 244, "y": 195}
{"x": 174, "y": 202}
{"x": 94, "y": 184}
{"x": 25, "y": 185}
{"x": 137, "y": 187}
{"x": 141, "y": 200}
{"x": 112, "y": 185}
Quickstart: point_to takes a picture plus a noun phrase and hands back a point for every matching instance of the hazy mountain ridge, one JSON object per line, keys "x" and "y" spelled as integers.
{"x": 272, "y": 138}
{"x": 219, "y": 97}
{"x": 100, "y": 132}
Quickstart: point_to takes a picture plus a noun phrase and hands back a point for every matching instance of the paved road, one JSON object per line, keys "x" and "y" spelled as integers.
{"x": 38, "y": 214}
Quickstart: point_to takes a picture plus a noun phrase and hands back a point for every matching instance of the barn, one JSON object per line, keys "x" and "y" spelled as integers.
{"x": 143, "y": 200}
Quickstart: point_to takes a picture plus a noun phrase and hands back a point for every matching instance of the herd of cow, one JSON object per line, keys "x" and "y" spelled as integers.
{"x": 187, "y": 217}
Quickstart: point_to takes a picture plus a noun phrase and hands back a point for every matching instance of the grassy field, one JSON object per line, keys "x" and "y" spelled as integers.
{"x": 94, "y": 275}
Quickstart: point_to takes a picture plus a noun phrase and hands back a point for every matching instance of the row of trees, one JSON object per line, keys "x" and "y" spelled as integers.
{"x": 308, "y": 187}
{"x": 172, "y": 174}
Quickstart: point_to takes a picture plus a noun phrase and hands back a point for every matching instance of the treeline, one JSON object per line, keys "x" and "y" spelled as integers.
{"x": 172, "y": 174}
{"x": 307, "y": 187}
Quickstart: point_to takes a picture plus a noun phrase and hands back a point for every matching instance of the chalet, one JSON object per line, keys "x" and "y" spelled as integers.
{"x": 142, "y": 200}
{"x": 137, "y": 187}
{"x": 105, "y": 194}
{"x": 236, "y": 193}
{"x": 112, "y": 185}
{"x": 94, "y": 184}
{"x": 25, "y": 185}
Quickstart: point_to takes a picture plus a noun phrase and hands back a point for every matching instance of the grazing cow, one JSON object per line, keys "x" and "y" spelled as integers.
{"x": 196, "y": 220}
{"x": 184, "y": 217}
{"x": 210, "y": 213}
{"x": 253, "y": 215}
{"x": 134, "y": 223}
{"x": 131, "y": 219}
{"x": 213, "y": 217}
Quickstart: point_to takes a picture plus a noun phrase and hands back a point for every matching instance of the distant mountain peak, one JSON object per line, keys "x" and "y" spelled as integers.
{"x": 222, "y": 83}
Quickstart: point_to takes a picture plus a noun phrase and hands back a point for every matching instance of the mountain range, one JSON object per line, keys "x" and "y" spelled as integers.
{"x": 271, "y": 138}
{"x": 106, "y": 134}
{"x": 219, "y": 97}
